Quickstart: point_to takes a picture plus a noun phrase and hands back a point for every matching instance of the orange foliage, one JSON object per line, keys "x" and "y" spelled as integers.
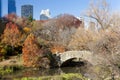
{"x": 32, "y": 53}
{"x": 11, "y": 35}
{"x": 30, "y": 50}
{"x": 57, "y": 49}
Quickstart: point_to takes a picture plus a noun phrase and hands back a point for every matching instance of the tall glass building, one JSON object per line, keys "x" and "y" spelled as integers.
{"x": 0, "y": 8}
{"x": 43, "y": 17}
{"x": 11, "y": 6}
{"x": 27, "y": 11}
{"x": 45, "y": 14}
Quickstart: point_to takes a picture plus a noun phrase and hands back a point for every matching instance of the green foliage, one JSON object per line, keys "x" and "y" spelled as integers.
{"x": 4, "y": 71}
{"x": 2, "y": 54}
{"x": 42, "y": 43}
{"x": 30, "y": 18}
{"x": 2, "y": 26}
{"x": 70, "y": 76}
{"x": 37, "y": 25}
{"x": 9, "y": 50}
{"x": 5, "y": 51}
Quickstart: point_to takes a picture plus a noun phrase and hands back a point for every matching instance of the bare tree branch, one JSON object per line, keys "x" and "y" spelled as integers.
{"x": 99, "y": 11}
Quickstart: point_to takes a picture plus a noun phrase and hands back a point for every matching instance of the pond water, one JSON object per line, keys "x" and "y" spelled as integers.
{"x": 87, "y": 70}
{"x": 43, "y": 72}
{"x": 30, "y": 72}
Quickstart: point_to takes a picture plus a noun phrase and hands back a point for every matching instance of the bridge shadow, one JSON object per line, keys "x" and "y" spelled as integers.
{"x": 75, "y": 65}
{"x": 74, "y": 62}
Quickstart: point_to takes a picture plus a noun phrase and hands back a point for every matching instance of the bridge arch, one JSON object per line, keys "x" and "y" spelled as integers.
{"x": 69, "y": 56}
{"x": 75, "y": 62}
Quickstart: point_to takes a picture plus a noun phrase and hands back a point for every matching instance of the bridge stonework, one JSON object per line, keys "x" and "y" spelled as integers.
{"x": 84, "y": 55}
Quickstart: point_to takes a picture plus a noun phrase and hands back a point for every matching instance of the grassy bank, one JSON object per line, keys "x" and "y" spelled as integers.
{"x": 69, "y": 76}
{"x": 9, "y": 69}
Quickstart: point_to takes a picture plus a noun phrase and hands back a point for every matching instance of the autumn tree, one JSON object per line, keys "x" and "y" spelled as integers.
{"x": 37, "y": 25}
{"x": 99, "y": 12}
{"x": 11, "y": 35}
{"x": 33, "y": 53}
{"x": 30, "y": 19}
{"x": 11, "y": 17}
{"x": 67, "y": 20}
{"x": 81, "y": 39}
{"x": 60, "y": 29}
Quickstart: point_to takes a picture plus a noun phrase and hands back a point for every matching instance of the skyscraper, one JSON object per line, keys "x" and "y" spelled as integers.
{"x": 0, "y": 8}
{"x": 27, "y": 11}
{"x": 45, "y": 14}
{"x": 11, "y": 6}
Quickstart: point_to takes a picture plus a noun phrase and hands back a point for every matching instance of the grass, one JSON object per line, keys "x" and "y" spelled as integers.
{"x": 4, "y": 71}
{"x": 69, "y": 76}
{"x": 9, "y": 69}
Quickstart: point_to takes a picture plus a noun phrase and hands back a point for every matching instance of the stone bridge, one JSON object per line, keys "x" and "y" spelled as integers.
{"x": 79, "y": 55}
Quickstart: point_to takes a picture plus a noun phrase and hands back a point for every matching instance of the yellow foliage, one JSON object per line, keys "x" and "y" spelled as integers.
{"x": 26, "y": 29}
{"x": 3, "y": 50}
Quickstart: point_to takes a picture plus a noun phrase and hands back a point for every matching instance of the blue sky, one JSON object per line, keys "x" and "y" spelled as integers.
{"x": 74, "y": 7}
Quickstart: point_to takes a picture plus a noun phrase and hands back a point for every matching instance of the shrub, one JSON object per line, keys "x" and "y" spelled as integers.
{"x": 11, "y": 37}
{"x": 82, "y": 39}
{"x": 5, "y": 51}
{"x": 33, "y": 54}
{"x": 107, "y": 46}
{"x": 2, "y": 53}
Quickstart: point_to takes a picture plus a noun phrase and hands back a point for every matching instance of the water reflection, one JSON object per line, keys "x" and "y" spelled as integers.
{"x": 93, "y": 72}
{"x": 75, "y": 68}
{"x": 44, "y": 72}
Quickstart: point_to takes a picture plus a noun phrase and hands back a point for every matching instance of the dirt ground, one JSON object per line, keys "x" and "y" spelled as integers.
{"x": 14, "y": 60}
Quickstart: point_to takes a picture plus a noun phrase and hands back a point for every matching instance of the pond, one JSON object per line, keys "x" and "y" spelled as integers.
{"x": 32, "y": 72}
{"x": 92, "y": 72}
{"x": 43, "y": 72}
